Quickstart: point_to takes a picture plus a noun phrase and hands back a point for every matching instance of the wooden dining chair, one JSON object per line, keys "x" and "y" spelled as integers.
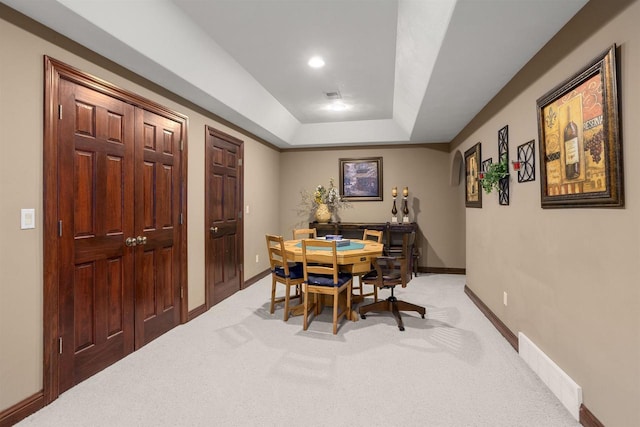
{"x": 285, "y": 272}
{"x": 322, "y": 277}
{"x": 376, "y": 236}
{"x": 304, "y": 233}
{"x": 391, "y": 272}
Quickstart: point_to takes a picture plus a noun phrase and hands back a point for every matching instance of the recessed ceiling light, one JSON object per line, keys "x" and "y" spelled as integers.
{"x": 338, "y": 106}
{"x": 316, "y": 62}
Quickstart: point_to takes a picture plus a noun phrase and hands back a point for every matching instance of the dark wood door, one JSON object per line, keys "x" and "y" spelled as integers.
{"x": 223, "y": 216}
{"x": 157, "y": 217}
{"x": 119, "y": 198}
{"x": 95, "y": 202}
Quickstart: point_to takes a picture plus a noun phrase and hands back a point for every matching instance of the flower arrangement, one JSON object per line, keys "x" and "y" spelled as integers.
{"x": 322, "y": 195}
{"x": 329, "y": 196}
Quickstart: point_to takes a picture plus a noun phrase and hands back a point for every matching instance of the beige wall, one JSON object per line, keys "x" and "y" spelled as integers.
{"x": 433, "y": 203}
{"x": 571, "y": 274}
{"x": 21, "y": 121}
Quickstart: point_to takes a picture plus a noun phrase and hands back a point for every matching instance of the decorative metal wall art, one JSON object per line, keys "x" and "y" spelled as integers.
{"x": 526, "y": 164}
{"x": 485, "y": 165}
{"x": 503, "y": 155}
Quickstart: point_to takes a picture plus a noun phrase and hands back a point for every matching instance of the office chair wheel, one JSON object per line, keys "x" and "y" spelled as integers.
{"x": 401, "y": 328}
{"x": 423, "y": 316}
{"x": 362, "y": 316}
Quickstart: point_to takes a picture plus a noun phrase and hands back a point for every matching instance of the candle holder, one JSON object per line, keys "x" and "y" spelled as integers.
{"x": 394, "y": 210}
{"x": 405, "y": 205}
{"x": 516, "y": 165}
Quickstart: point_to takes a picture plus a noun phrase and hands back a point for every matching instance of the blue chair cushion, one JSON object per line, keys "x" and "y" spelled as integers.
{"x": 322, "y": 280}
{"x": 295, "y": 271}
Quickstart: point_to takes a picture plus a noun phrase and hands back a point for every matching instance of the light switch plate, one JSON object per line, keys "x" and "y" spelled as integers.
{"x": 27, "y": 219}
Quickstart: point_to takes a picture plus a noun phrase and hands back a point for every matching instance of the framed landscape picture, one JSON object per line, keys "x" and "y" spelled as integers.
{"x": 580, "y": 147}
{"x": 472, "y": 192}
{"x": 361, "y": 179}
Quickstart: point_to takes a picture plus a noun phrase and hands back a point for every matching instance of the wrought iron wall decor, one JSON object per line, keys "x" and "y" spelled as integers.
{"x": 527, "y": 162}
{"x": 503, "y": 153}
{"x": 485, "y": 164}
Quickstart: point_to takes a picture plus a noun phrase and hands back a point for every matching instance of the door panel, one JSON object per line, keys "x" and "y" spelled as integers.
{"x": 223, "y": 211}
{"x": 95, "y": 187}
{"x": 157, "y": 222}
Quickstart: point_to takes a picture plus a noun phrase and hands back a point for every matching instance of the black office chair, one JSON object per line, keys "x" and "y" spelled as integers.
{"x": 391, "y": 272}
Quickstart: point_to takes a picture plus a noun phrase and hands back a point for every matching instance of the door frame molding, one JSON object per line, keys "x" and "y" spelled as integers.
{"x": 211, "y": 131}
{"x": 54, "y": 71}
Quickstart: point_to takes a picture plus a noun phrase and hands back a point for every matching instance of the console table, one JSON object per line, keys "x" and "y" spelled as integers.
{"x": 392, "y": 235}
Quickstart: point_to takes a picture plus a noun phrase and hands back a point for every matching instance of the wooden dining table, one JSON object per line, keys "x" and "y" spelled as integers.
{"x": 353, "y": 258}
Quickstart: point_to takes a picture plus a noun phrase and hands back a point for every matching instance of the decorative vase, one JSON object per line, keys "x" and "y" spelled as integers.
{"x": 323, "y": 214}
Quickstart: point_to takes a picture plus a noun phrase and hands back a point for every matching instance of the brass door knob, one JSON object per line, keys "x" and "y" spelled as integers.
{"x": 130, "y": 241}
{"x": 141, "y": 240}
{"x": 214, "y": 229}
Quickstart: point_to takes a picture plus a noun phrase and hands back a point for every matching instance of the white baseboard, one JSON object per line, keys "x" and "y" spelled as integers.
{"x": 560, "y": 384}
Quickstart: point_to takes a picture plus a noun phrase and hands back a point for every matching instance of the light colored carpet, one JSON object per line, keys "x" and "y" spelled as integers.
{"x": 238, "y": 365}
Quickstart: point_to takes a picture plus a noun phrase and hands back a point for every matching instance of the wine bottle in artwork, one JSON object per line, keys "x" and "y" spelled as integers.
{"x": 571, "y": 148}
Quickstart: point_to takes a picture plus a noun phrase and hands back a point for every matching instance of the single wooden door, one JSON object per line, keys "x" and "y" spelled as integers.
{"x": 95, "y": 217}
{"x": 223, "y": 216}
{"x": 157, "y": 218}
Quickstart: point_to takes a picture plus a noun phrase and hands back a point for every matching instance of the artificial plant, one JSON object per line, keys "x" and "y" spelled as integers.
{"x": 493, "y": 174}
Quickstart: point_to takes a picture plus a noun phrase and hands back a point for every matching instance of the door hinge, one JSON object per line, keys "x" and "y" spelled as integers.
{"x": 181, "y": 292}
{"x": 240, "y": 267}
{"x": 239, "y": 162}
{"x": 181, "y": 221}
{"x": 240, "y": 215}
{"x": 59, "y": 111}
{"x": 182, "y": 145}
{"x": 59, "y": 345}
{"x": 60, "y": 228}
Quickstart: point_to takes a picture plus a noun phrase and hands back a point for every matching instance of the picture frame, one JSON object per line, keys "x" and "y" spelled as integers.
{"x": 361, "y": 179}
{"x": 579, "y": 142}
{"x": 473, "y": 190}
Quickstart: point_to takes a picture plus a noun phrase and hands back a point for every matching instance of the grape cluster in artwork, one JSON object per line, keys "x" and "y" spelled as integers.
{"x": 594, "y": 146}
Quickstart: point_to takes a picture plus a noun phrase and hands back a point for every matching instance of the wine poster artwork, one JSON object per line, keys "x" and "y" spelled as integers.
{"x": 574, "y": 141}
{"x": 579, "y": 143}
{"x": 473, "y": 194}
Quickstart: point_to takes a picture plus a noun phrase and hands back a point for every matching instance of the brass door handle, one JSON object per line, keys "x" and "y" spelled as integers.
{"x": 131, "y": 241}
{"x": 140, "y": 240}
{"x": 214, "y": 229}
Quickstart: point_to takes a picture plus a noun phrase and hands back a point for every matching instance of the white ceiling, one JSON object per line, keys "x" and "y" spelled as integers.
{"x": 410, "y": 71}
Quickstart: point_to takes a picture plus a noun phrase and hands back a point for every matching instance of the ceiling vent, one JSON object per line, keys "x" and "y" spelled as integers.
{"x": 333, "y": 95}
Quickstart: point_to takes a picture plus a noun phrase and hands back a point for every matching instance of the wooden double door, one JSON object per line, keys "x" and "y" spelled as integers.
{"x": 118, "y": 210}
